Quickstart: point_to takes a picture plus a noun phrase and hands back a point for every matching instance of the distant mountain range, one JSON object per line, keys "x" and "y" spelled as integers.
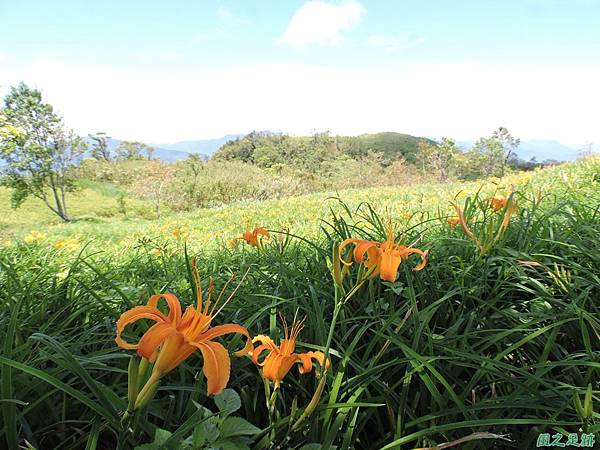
{"x": 204, "y": 147}
{"x": 539, "y": 149}
{"x": 159, "y": 152}
{"x": 179, "y": 150}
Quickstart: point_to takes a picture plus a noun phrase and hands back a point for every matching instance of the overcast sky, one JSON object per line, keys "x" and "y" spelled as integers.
{"x": 176, "y": 70}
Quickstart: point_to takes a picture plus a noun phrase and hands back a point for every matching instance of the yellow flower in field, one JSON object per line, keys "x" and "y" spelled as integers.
{"x": 180, "y": 232}
{"x": 406, "y": 215}
{"x": 156, "y": 252}
{"x": 385, "y": 257}
{"x": 281, "y": 358}
{"x": 66, "y": 244}
{"x": 253, "y": 237}
{"x": 174, "y": 337}
{"x": 34, "y": 236}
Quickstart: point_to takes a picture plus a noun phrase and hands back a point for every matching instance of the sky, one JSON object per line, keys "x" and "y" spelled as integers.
{"x": 167, "y": 71}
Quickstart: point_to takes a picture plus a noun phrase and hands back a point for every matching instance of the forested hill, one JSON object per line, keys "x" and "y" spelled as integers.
{"x": 268, "y": 149}
{"x": 392, "y": 145}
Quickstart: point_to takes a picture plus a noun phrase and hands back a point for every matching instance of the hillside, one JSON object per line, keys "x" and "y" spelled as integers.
{"x": 97, "y": 210}
{"x": 392, "y": 144}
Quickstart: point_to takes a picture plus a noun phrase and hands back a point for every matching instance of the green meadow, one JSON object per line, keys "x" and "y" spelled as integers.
{"x": 494, "y": 342}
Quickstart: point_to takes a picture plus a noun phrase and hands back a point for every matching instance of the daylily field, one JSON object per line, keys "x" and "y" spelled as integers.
{"x": 394, "y": 318}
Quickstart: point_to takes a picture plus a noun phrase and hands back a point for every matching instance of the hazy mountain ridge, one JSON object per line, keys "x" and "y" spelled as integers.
{"x": 540, "y": 149}
{"x": 164, "y": 154}
{"x": 202, "y": 146}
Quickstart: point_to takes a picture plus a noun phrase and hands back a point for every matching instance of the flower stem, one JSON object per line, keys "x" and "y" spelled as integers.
{"x": 147, "y": 391}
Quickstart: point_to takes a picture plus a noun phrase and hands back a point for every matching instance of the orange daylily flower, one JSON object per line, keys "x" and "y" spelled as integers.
{"x": 281, "y": 359}
{"x": 453, "y": 221}
{"x": 497, "y": 203}
{"x": 384, "y": 257}
{"x": 252, "y": 237}
{"x": 174, "y": 337}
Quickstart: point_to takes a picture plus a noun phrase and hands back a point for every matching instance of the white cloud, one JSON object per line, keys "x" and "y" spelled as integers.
{"x": 318, "y": 22}
{"x": 461, "y": 100}
{"x": 395, "y": 43}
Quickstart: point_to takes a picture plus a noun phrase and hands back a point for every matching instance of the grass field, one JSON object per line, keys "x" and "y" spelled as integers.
{"x": 503, "y": 341}
{"x": 98, "y": 218}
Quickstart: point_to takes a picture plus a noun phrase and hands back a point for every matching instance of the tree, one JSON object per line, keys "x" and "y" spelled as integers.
{"x": 38, "y": 152}
{"x": 129, "y": 150}
{"x": 509, "y": 145}
{"x": 149, "y": 152}
{"x": 438, "y": 158}
{"x": 192, "y": 168}
{"x": 491, "y": 155}
{"x": 154, "y": 182}
{"x": 100, "y": 149}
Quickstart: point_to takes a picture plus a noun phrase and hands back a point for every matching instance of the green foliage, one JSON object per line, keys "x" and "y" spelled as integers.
{"x": 309, "y": 153}
{"x": 470, "y": 344}
{"x": 100, "y": 149}
{"x": 490, "y": 155}
{"x": 439, "y": 159}
{"x": 217, "y": 430}
{"x": 39, "y": 154}
{"x": 201, "y": 184}
{"x": 393, "y": 145}
{"x": 131, "y": 150}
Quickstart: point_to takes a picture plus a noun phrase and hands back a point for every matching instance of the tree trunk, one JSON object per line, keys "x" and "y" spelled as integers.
{"x": 60, "y": 207}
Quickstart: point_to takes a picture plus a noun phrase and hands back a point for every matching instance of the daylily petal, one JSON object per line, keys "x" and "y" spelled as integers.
{"x": 133, "y": 315}
{"x": 306, "y": 366}
{"x": 174, "y": 350}
{"x": 410, "y": 250}
{"x": 261, "y": 230}
{"x": 286, "y": 363}
{"x": 388, "y": 265}
{"x": 153, "y": 338}
{"x": 173, "y": 303}
{"x": 373, "y": 257}
{"x": 276, "y": 366}
{"x": 307, "y": 358}
{"x": 217, "y": 365}
{"x": 263, "y": 339}
{"x": 256, "y": 354}
{"x": 221, "y": 330}
{"x": 363, "y": 247}
{"x": 498, "y": 203}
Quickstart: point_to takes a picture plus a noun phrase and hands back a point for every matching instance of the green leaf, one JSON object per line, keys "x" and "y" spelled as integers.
{"x": 587, "y": 402}
{"x": 160, "y": 438}
{"x": 235, "y": 443}
{"x": 236, "y": 426}
{"x": 210, "y": 431}
{"x": 228, "y": 402}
